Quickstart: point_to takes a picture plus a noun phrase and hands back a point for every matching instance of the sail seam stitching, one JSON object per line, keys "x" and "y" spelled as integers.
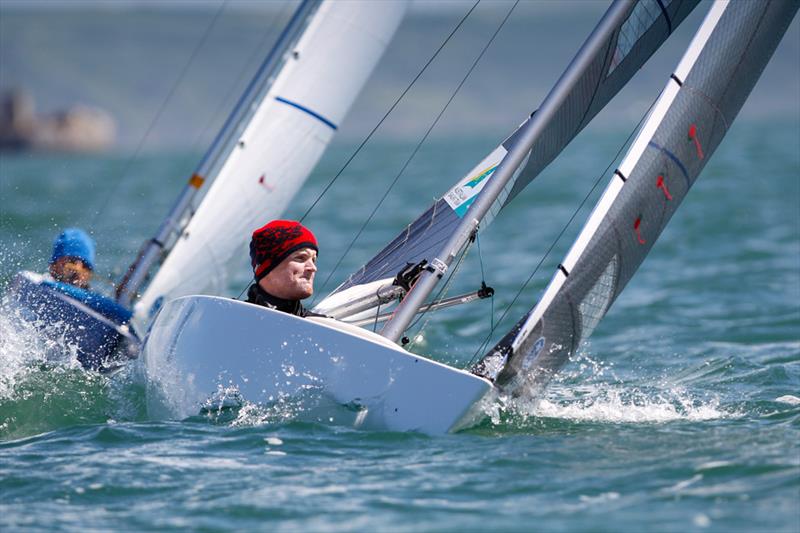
{"x": 711, "y": 103}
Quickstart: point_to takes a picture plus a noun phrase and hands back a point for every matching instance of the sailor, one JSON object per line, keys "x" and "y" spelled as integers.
{"x": 73, "y": 256}
{"x": 63, "y": 307}
{"x": 283, "y": 254}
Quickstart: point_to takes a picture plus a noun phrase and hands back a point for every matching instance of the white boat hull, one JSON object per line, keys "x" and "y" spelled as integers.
{"x": 201, "y": 346}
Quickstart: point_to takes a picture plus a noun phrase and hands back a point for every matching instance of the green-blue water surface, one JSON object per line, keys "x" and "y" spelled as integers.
{"x": 681, "y": 414}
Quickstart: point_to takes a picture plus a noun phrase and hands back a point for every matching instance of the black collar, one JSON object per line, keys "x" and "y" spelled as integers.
{"x": 257, "y": 295}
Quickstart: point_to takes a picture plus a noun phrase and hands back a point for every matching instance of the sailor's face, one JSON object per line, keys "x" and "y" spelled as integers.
{"x": 293, "y": 278}
{"x": 71, "y": 270}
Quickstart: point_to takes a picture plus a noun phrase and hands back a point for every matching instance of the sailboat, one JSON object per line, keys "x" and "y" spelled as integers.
{"x": 205, "y": 351}
{"x": 263, "y": 154}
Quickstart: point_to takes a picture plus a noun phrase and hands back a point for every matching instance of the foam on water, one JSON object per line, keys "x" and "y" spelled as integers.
{"x": 23, "y": 349}
{"x": 788, "y": 399}
{"x": 620, "y": 405}
{"x": 312, "y": 405}
{"x": 589, "y": 391}
{"x": 43, "y": 385}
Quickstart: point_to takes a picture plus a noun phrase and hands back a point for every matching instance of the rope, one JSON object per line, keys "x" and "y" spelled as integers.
{"x": 485, "y": 342}
{"x": 439, "y": 295}
{"x": 419, "y": 144}
{"x": 135, "y": 156}
{"x": 483, "y": 281}
{"x": 369, "y": 136}
{"x": 386, "y": 115}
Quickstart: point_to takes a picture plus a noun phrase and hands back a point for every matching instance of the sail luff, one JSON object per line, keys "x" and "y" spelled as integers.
{"x": 157, "y": 246}
{"x": 693, "y": 113}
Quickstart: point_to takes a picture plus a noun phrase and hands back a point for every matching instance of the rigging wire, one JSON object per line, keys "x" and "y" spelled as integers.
{"x": 420, "y": 143}
{"x": 483, "y": 279}
{"x": 391, "y": 108}
{"x": 236, "y": 82}
{"x": 129, "y": 163}
{"x": 486, "y": 340}
{"x": 247, "y": 67}
{"x": 244, "y": 71}
{"x": 439, "y": 295}
{"x": 369, "y": 136}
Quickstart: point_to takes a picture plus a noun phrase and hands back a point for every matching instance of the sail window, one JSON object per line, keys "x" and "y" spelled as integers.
{"x": 594, "y": 305}
{"x": 638, "y": 22}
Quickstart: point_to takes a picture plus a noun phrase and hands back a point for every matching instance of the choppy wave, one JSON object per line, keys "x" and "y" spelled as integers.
{"x": 43, "y": 386}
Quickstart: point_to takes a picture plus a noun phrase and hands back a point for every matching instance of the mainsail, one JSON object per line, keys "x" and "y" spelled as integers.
{"x": 277, "y": 149}
{"x": 692, "y": 115}
{"x": 638, "y": 29}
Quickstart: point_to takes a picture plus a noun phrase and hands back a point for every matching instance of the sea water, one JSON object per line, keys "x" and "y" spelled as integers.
{"x": 682, "y": 413}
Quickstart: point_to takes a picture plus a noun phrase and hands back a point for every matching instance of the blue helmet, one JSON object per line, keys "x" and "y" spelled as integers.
{"x": 74, "y": 242}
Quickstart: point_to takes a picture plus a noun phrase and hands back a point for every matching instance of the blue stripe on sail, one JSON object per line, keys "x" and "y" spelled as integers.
{"x": 675, "y": 159}
{"x": 308, "y": 111}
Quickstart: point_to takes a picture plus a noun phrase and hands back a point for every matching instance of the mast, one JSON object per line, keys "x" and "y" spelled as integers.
{"x": 222, "y": 145}
{"x": 504, "y": 173}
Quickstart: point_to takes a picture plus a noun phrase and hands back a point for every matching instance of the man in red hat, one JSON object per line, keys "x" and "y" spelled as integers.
{"x": 284, "y": 258}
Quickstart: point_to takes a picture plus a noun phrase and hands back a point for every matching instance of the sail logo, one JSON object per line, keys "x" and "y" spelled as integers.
{"x": 463, "y": 195}
{"x": 533, "y": 354}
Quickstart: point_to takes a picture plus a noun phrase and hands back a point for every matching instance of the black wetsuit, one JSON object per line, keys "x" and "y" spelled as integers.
{"x": 257, "y": 295}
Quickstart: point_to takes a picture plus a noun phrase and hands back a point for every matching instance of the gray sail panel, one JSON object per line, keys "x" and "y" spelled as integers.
{"x": 641, "y": 34}
{"x": 429, "y": 232}
{"x": 698, "y": 118}
{"x": 642, "y": 31}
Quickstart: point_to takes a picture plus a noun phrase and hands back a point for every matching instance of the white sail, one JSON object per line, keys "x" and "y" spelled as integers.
{"x": 280, "y": 146}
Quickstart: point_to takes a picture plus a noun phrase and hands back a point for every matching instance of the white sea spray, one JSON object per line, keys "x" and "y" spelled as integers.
{"x": 24, "y": 348}
{"x": 590, "y": 391}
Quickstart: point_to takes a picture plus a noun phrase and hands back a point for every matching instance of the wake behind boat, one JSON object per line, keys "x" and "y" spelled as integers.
{"x": 703, "y": 95}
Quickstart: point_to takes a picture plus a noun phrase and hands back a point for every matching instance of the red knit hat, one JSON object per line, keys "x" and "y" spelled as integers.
{"x": 274, "y": 242}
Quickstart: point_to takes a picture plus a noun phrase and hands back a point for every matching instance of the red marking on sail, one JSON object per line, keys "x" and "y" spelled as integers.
{"x": 263, "y": 182}
{"x": 663, "y": 186}
{"x": 693, "y": 137}
{"x": 636, "y": 225}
